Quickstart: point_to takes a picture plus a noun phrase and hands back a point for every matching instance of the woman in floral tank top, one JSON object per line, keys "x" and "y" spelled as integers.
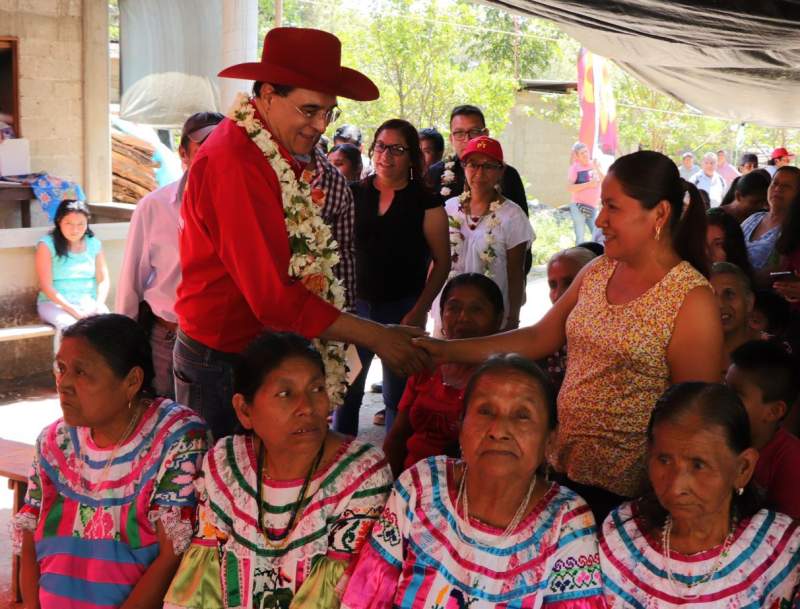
{"x": 635, "y": 321}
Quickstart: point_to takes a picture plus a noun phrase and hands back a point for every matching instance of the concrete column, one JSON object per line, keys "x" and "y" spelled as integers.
{"x": 96, "y": 130}
{"x": 239, "y": 44}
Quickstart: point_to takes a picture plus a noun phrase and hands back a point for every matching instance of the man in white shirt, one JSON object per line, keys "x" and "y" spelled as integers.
{"x": 151, "y": 267}
{"x": 709, "y": 180}
{"x": 688, "y": 168}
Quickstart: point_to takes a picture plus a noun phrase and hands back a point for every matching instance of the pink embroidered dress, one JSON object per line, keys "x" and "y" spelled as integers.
{"x": 95, "y": 526}
{"x": 423, "y": 555}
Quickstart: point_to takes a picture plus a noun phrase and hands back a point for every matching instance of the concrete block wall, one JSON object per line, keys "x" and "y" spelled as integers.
{"x": 50, "y": 82}
{"x": 539, "y": 150}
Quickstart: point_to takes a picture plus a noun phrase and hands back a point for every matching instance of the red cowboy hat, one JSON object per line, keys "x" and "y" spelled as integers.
{"x": 306, "y": 58}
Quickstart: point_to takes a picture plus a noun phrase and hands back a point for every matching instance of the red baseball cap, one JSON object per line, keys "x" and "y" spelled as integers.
{"x": 305, "y": 58}
{"x": 483, "y": 144}
{"x": 779, "y": 153}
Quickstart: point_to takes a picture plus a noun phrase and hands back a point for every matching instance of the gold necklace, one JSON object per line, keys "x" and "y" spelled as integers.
{"x": 123, "y": 438}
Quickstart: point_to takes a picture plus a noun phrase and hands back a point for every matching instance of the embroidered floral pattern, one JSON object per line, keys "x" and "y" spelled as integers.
{"x": 456, "y": 223}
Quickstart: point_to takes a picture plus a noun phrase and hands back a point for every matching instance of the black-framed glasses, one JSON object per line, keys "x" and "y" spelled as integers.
{"x": 393, "y": 149}
{"x": 468, "y": 135}
{"x": 473, "y": 166}
{"x": 329, "y": 116}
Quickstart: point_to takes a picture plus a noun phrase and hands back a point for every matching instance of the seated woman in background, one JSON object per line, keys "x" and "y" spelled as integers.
{"x": 725, "y": 241}
{"x": 735, "y": 297}
{"x": 700, "y": 540}
{"x": 110, "y": 502}
{"x": 347, "y": 159}
{"x": 746, "y": 195}
{"x": 763, "y": 229}
{"x": 71, "y": 267}
{"x": 431, "y": 409}
{"x": 489, "y": 530}
{"x": 285, "y": 507}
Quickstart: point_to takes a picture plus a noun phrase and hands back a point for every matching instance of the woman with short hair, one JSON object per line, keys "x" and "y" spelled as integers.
{"x": 700, "y": 539}
{"x": 286, "y": 505}
{"x": 110, "y": 502}
{"x": 487, "y": 530}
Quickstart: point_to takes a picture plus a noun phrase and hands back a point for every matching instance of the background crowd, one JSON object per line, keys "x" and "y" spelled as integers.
{"x": 195, "y": 465}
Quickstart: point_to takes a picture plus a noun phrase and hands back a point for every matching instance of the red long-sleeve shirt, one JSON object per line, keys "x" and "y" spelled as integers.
{"x": 235, "y": 250}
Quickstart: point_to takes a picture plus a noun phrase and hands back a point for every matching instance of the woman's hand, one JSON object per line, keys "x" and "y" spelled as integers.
{"x": 415, "y": 318}
{"x": 790, "y": 290}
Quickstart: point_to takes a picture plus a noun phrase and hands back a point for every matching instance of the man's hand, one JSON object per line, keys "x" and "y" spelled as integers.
{"x": 393, "y": 345}
{"x": 434, "y": 347}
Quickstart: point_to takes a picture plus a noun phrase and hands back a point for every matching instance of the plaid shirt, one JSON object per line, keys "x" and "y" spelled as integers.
{"x": 339, "y": 212}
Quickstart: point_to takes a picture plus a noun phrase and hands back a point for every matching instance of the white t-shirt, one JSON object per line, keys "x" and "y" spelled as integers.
{"x": 514, "y": 228}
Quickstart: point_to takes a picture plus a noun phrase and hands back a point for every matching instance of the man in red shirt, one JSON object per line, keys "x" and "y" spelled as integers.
{"x": 235, "y": 250}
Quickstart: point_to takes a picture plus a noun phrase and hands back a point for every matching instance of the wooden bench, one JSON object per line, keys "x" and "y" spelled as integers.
{"x": 23, "y": 332}
{"x": 15, "y": 464}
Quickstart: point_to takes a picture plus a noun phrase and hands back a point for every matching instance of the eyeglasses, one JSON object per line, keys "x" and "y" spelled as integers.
{"x": 473, "y": 166}
{"x": 393, "y": 149}
{"x": 329, "y": 116}
{"x": 468, "y": 135}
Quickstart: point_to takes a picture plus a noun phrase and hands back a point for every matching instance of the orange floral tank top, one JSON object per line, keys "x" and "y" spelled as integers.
{"x": 616, "y": 371}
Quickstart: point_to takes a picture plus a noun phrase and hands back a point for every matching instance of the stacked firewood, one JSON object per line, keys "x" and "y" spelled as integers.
{"x": 132, "y": 166}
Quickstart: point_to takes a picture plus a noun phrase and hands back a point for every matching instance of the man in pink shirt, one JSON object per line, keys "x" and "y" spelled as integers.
{"x": 728, "y": 172}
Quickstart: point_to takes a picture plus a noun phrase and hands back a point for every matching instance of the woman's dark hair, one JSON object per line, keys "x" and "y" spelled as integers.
{"x": 432, "y": 134}
{"x": 650, "y": 177}
{"x": 351, "y": 153}
{"x": 775, "y": 308}
{"x": 717, "y": 406}
{"x": 121, "y": 342}
{"x": 68, "y": 206}
{"x": 486, "y": 286}
{"x": 733, "y": 239}
{"x": 754, "y": 183}
{"x": 789, "y": 239}
{"x": 730, "y": 194}
{"x": 264, "y": 354}
{"x": 410, "y": 135}
{"x": 511, "y": 362}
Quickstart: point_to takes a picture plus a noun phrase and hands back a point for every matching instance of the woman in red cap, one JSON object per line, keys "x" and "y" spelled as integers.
{"x": 489, "y": 233}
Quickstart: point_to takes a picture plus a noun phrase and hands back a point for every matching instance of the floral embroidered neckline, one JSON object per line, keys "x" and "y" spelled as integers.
{"x": 457, "y": 221}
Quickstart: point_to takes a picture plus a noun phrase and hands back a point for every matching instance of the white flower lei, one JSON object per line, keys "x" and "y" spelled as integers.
{"x": 313, "y": 249}
{"x": 448, "y": 177}
{"x": 457, "y": 237}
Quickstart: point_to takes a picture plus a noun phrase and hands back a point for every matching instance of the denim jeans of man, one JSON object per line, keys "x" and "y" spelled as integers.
{"x": 583, "y": 216}
{"x": 162, "y": 343}
{"x": 345, "y": 419}
{"x": 204, "y": 383}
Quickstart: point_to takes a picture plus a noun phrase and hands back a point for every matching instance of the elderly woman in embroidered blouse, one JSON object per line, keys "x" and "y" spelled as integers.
{"x": 285, "y": 507}
{"x": 634, "y": 321}
{"x": 110, "y": 502}
{"x": 700, "y": 538}
{"x": 489, "y": 530}
{"x": 489, "y": 233}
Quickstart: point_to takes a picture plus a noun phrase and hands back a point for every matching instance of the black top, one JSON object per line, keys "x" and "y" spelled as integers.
{"x": 392, "y": 255}
{"x": 511, "y": 187}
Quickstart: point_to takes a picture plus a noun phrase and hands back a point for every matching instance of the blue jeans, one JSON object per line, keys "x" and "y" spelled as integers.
{"x": 162, "y": 343}
{"x": 345, "y": 419}
{"x": 204, "y": 383}
{"x": 582, "y": 216}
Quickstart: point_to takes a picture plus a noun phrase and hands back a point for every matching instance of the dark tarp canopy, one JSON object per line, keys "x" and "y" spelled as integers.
{"x": 736, "y": 59}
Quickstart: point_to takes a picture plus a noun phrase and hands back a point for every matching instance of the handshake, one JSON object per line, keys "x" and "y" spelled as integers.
{"x": 407, "y": 349}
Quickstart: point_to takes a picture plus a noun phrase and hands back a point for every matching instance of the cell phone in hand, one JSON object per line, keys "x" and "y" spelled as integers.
{"x": 783, "y": 276}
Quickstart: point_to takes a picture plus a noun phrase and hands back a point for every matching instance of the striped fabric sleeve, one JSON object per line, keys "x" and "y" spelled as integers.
{"x": 360, "y": 507}
{"x": 575, "y": 581}
{"x": 28, "y": 516}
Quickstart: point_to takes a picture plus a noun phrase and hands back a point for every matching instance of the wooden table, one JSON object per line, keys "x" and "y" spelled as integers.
{"x": 12, "y": 194}
{"x": 15, "y": 464}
